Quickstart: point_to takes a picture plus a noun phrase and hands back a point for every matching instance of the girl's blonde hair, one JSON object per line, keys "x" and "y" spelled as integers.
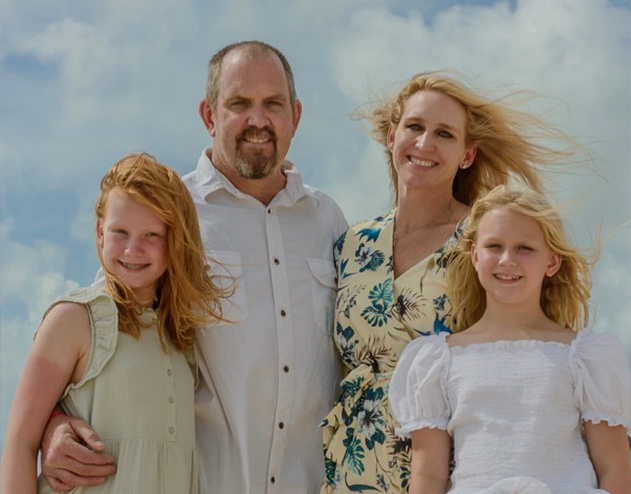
{"x": 509, "y": 142}
{"x": 186, "y": 298}
{"x": 564, "y": 295}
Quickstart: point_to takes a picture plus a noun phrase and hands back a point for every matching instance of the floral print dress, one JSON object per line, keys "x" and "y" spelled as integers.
{"x": 376, "y": 316}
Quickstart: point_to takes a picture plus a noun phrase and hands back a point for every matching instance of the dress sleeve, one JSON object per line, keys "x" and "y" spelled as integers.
{"x": 602, "y": 380}
{"x": 417, "y": 391}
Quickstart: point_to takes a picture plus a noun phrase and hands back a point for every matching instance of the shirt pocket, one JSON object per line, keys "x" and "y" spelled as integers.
{"x": 323, "y": 286}
{"x": 227, "y": 271}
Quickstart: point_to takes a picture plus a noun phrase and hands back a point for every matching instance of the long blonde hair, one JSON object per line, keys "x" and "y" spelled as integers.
{"x": 187, "y": 298}
{"x": 564, "y": 295}
{"x": 509, "y": 141}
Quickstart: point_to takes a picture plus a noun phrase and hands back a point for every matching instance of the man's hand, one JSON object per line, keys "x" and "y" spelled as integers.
{"x": 72, "y": 455}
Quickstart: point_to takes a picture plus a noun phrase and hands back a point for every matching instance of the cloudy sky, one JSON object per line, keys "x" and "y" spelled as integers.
{"x": 84, "y": 83}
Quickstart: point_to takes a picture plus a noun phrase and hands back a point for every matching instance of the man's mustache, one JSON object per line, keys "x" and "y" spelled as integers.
{"x": 257, "y": 133}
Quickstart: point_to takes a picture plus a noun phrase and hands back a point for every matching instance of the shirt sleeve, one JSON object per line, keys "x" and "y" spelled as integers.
{"x": 417, "y": 390}
{"x": 602, "y": 379}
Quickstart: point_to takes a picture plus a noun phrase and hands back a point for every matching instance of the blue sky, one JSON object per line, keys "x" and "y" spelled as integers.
{"x": 84, "y": 83}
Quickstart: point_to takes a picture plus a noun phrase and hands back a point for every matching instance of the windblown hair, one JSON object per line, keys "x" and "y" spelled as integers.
{"x": 254, "y": 48}
{"x": 187, "y": 298}
{"x": 509, "y": 142}
{"x": 564, "y": 295}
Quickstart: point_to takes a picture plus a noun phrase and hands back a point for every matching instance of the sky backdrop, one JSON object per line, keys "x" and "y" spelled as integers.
{"x": 84, "y": 83}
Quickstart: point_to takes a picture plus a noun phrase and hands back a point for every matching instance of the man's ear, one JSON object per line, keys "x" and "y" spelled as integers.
{"x": 296, "y": 114}
{"x": 206, "y": 113}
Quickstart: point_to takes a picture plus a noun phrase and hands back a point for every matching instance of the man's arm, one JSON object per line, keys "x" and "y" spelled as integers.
{"x": 72, "y": 455}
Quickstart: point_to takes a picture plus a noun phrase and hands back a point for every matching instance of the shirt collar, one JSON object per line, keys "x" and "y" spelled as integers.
{"x": 210, "y": 180}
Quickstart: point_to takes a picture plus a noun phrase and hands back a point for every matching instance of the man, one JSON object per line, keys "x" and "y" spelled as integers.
{"x": 270, "y": 375}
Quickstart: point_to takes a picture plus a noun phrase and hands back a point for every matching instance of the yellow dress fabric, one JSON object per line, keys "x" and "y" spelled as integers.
{"x": 376, "y": 317}
{"x": 139, "y": 400}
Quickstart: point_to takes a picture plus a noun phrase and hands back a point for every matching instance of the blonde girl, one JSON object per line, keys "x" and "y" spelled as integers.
{"x": 532, "y": 404}
{"x": 121, "y": 357}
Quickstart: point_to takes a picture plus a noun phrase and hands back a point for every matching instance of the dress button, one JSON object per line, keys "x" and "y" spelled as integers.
{"x": 281, "y": 425}
{"x": 276, "y": 261}
{"x": 171, "y": 430}
{"x": 272, "y": 480}
{"x": 286, "y": 368}
{"x": 169, "y": 372}
{"x": 283, "y": 313}
{"x": 171, "y": 399}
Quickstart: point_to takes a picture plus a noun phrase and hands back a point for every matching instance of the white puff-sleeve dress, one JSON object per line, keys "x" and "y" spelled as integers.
{"x": 514, "y": 408}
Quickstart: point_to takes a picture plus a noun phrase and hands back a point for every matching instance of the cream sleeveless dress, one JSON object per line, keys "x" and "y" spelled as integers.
{"x": 140, "y": 402}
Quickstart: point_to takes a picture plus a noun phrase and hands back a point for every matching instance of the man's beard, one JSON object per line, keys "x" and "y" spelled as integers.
{"x": 256, "y": 165}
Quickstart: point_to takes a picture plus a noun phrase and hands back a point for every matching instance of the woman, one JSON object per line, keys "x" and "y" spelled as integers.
{"x": 446, "y": 146}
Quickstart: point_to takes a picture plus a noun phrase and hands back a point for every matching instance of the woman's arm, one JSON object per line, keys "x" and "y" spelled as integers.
{"x": 609, "y": 451}
{"x": 62, "y": 340}
{"x": 429, "y": 471}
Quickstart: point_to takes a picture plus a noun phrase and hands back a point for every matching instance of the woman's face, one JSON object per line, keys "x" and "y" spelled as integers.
{"x": 428, "y": 145}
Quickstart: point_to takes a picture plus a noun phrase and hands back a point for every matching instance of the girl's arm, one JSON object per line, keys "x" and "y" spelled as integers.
{"x": 57, "y": 357}
{"x": 429, "y": 470}
{"x": 609, "y": 451}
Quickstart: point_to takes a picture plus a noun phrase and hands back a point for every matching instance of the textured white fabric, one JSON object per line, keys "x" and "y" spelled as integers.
{"x": 268, "y": 378}
{"x": 514, "y": 409}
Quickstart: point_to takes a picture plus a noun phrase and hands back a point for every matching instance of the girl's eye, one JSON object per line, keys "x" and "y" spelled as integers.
{"x": 415, "y": 127}
{"x": 525, "y": 247}
{"x": 445, "y": 134}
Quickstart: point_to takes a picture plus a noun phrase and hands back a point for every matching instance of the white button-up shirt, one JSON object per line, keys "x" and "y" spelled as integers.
{"x": 270, "y": 376}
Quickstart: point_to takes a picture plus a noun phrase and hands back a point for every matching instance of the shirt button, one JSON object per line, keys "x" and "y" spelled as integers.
{"x": 281, "y": 425}
{"x": 169, "y": 372}
{"x": 286, "y": 368}
{"x": 269, "y": 210}
{"x": 272, "y": 480}
{"x": 171, "y": 430}
{"x": 171, "y": 399}
{"x": 276, "y": 261}
{"x": 283, "y": 313}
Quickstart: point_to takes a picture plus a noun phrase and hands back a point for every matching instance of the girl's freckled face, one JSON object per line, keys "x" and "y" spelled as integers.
{"x": 133, "y": 242}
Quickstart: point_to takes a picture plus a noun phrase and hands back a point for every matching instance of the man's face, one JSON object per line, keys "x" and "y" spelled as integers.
{"x": 254, "y": 121}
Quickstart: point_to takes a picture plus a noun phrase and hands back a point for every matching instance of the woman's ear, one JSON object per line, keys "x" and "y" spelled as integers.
{"x": 390, "y": 138}
{"x": 469, "y": 156}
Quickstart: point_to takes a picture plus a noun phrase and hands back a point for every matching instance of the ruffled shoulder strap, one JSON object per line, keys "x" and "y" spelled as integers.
{"x": 417, "y": 391}
{"x": 602, "y": 379}
{"x": 104, "y": 325}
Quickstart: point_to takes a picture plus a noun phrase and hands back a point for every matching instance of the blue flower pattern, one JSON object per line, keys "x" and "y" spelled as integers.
{"x": 376, "y": 317}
